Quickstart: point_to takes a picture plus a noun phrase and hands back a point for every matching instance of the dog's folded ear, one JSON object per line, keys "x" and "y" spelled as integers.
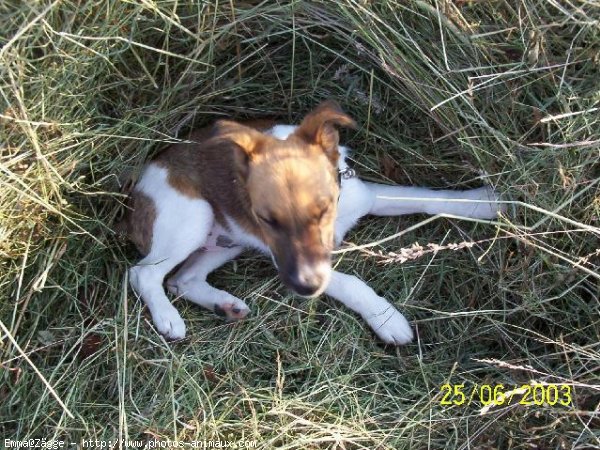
{"x": 319, "y": 127}
{"x": 248, "y": 142}
{"x": 248, "y": 139}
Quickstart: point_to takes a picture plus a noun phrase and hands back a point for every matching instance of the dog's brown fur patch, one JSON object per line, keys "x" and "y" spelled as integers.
{"x": 259, "y": 124}
{"x": 138, "y": 222}
{"x": 207, "y": 169}
{"x": 185, "y": 181}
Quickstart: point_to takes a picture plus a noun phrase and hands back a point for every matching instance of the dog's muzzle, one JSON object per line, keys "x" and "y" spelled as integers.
{"x": 309, "y": 280}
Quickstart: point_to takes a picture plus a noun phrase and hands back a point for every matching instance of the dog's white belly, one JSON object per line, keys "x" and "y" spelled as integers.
{"x": 234, "y": 235}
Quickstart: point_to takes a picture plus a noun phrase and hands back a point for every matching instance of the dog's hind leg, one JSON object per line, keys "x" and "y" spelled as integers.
{"x": 480, "y": 203}
{"x": 181, "y": 225}
{"x": 387, "y": 322}
{"x": 190, "y": 282}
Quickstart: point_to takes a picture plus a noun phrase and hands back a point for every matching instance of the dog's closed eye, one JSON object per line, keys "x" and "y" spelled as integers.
{"x": 270, "y": 221}
{"x": 323, "y": 210}
{"x": 322, "y": 213}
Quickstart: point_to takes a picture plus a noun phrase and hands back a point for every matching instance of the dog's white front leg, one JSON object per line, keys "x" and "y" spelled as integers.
{"x": 382, "y": 317}
{"x": 190, "y": 282}
{"x": 480, "y": 203}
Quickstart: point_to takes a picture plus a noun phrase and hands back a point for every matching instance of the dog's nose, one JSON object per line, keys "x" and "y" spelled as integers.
{"x": 306, "y": 288}
{"x": 310, "y": 281}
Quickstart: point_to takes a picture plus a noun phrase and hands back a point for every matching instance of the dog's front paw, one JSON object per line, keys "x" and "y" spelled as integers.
{"x": 168, "y": 322}
{"x": 234, "y": 309}
{"x": 390, "y": 325}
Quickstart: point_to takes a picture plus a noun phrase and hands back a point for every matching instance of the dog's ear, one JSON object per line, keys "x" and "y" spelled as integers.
{"x": 248, "y": 143}
{"x": 319, "y": 127}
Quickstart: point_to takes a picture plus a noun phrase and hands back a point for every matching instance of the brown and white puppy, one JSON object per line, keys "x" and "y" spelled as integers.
{"x": 275, "y": 189}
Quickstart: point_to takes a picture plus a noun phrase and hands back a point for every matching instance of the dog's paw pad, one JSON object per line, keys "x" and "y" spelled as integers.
{"x": 392, "y": 327}
{"x": 232, "y": 310}
{"x": 169, "y": 323}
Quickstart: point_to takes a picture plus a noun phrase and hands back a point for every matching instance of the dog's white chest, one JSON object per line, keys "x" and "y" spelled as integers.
{"x": 354, "y": 203}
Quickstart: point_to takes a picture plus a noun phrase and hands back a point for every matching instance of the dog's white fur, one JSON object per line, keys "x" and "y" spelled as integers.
{"x": 185, "y": 230}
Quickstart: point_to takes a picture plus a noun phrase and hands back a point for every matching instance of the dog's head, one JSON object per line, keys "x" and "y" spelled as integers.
{"x": 293, "y": 190}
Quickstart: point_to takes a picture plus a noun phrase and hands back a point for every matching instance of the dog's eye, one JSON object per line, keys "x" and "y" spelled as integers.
{"x": 270, "y": 221}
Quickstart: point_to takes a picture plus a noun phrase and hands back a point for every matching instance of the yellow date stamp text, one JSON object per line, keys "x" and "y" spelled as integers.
{"x": 499, "y": 395}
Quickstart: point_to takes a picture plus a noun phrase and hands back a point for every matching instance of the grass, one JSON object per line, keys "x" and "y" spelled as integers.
{"x": 447, "y": 94}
